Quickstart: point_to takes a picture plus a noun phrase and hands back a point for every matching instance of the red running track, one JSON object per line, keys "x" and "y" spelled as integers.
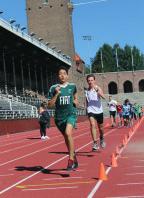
{"x": 31, "y": 168}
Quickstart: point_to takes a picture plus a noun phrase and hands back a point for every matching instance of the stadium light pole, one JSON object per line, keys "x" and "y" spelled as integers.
{"x": 53, "y": 47}
{"x": 88, "y": 38}
{"x": 17, "y": 26}
{"x": 36, "y": 78}
{"x": 117, "y": 64}
{"x": 12, "y": 21}
{"x": 102, "y": 65}
{"x": 22, "y": 74}
{"x": 40, "y": 40}
{"x": 132, "y": 59}
{"x": 117, "y": 61}
{"x": 14, "y": 75}
{"x": 47, "y": 44}
{"x": 32, "y": 34}
{"x": 23, "y": 28}
{"x": 132, "y": 62}
{"x": 5, "y": 74}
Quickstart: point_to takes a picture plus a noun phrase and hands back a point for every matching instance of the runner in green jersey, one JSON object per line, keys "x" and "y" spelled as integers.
{"x": 64, "y": 97}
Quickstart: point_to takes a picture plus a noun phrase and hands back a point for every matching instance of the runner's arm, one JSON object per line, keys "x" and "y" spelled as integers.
{"x": 100, "y": 92}
{"x": 52, "y": 101}
{"x": 76, "y": 99}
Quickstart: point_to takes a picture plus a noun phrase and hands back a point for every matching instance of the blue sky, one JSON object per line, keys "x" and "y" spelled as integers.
{"x": 111, "y": 21}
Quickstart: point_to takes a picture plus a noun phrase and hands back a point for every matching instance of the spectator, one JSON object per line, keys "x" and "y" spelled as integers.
{"x": 44, "y": 120}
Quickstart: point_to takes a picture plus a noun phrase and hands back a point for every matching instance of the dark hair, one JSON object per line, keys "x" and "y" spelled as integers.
{"x": 90, "y": 75}
{"x": 126, "y": 101}
{"x": 63, "y": 68}
{"x": 44, "y": 104}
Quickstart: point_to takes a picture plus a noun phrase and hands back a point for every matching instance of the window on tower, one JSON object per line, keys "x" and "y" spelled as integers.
{"x": 45, "y": 2}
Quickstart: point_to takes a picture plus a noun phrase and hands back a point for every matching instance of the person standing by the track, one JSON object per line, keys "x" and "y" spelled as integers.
{"x": 64, "y": 97}
{"x": 112, "y": 104}
{"x": 95, "y": 111}
{"x": 44, "y": 120}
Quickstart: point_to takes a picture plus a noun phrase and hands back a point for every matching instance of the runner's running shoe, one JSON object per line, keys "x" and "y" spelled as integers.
{"x": 95, "y": 147}
{"x": 102, "y": 143}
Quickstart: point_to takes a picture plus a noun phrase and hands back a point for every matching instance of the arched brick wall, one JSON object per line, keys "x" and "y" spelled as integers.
{"x": 119, "y": 78}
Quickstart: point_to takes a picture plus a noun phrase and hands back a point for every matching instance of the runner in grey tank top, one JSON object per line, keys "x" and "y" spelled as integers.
{"x": 95, "y": 111}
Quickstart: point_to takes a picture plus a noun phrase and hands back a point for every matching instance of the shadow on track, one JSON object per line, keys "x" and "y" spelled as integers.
{"x": 42, "y": 170}
{"x": 86, "y": 154}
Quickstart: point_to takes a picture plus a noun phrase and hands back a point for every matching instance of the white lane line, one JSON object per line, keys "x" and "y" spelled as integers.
{"x": 14, "y": 143}
{"x": 135, "y": 196}
{"x": 20, "y": 147}
{"x": 57, "y": 188}
{"x": 17, "y": 148}
{"x": 6, "y": 175}
{"x": 18, "y": 136}
{"x": 27, "y": 155}
{"x": 55, "y": 162}
{"x": 39, "y": 141}
{"x": 138, "y": 166}
{"x": 30, "y": 176}
{"x": 31, "y": 134}
{"x": 98, "y": 184}
{"x": 65, "y": 178}
{"x": 127, "y": 184}
{"x": 134, "y": 174}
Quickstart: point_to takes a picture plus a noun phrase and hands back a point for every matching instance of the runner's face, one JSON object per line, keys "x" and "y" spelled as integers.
{"x": 91, "y": 82}
{"x": 63, "y": 76}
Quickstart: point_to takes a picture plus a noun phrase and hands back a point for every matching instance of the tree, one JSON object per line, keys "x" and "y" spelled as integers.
{"x": 124, "y": 59}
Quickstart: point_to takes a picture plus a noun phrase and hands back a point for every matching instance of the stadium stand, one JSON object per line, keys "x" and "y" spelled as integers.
{"x": 11, "y": 108}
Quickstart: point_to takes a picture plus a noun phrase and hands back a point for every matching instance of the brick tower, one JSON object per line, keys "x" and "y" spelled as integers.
{"x": 52, "y": 21}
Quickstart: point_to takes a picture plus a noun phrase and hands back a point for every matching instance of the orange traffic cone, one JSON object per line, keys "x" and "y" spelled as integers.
{"x": 114, "y": 161}
{"x": 102, "y": 174}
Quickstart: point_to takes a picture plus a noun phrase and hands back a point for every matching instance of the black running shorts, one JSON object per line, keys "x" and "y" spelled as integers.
{"x": 97, "y": 117}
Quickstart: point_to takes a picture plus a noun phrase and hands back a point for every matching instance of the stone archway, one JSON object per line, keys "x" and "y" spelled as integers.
{"x": 141, "y": 85}
{"x": 112, "y": 88}
{"x": 128, "y": 87}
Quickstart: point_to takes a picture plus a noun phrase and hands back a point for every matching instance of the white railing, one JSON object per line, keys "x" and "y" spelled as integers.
{"x": 20, "y": 114}
{"x": 17, "y": 31}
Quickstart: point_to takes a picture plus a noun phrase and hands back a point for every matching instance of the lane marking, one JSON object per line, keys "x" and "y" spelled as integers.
{"x": 39, "y": 141}
{"x": 55, "y": 162}
{"x": 59, "y": 178}
{"x": 27, "y": 155}
{"x": 98, "y": 184}
{"x": 5, "y": 175}
{"x": 56, "y": 184}
{"x": 126, "y": 184}
{"x": 134, "y": 174}
{"x": 57, "y": 188}
{"x": 136, "y": 196}
{"x": 24, "y": 146}
{"x": 30, "y": 176}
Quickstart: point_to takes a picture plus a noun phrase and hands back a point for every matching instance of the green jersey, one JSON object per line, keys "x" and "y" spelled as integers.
{"x": 64, "y": 105}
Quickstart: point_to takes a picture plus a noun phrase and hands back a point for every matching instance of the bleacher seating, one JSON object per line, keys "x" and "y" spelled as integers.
{"x": 11, "y": 108}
